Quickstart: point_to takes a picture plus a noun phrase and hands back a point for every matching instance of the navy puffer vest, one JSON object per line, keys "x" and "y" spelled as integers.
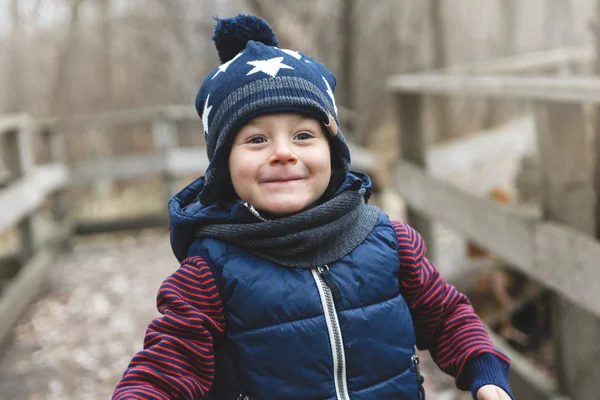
{"x": 289, "y": 336}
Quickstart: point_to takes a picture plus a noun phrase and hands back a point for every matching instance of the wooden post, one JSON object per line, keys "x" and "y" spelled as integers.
{"x": 568, "y": 197}
{"x": 164, "y": 133}
{"x": 413, "y": 148}
{"x": 54, "y": 142}
{"x": 17, "y": 153}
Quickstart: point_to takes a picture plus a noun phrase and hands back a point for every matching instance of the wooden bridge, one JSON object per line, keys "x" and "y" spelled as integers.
{"x": 555, "y": 245}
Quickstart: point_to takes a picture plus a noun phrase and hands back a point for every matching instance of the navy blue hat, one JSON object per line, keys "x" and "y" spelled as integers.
{"x": 257, "y": 77}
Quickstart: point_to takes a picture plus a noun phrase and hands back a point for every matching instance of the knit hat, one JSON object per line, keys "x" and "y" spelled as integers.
{"x": 256, "y": 77}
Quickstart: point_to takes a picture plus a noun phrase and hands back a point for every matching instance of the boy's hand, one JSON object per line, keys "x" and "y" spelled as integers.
{"x": 492, "y": 392}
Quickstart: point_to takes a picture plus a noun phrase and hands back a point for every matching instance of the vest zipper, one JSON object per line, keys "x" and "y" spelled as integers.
{"x": 323, "y": 278}
{"x": 420, "y": 379}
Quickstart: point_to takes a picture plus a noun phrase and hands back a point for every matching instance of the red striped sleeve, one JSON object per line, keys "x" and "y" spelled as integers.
{"x": 178, "y": 356}
{"x": 445, "y": 322}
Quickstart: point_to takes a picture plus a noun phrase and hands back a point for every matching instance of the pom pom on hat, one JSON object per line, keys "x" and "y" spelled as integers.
{"x": 232, "y": 35}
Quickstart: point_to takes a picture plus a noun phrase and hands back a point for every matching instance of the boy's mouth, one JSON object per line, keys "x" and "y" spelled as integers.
{"x": 282, "y": 180}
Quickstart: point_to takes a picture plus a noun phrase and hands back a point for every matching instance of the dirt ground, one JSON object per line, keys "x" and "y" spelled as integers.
{"x": 78, "y": 338}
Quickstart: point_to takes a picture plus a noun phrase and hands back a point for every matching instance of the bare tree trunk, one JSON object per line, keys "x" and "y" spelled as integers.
{"x": 509, "y": 16}
{"x": 177, "y": 43}
{"x": 289, "y": 32}
{"x": 58, "y": 93}
{"x": 440, "y": 59}
{"x": 347, "y": 27}
{"x": 16, "y": 61}
{"x": 595, "y": 26}
{"x": 497, "y": 111}
{"x": 106, "y": 52}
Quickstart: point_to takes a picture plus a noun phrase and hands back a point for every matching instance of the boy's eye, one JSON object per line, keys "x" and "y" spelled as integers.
{"x": 303, "y": 136}
{"x": 256, "y": 140}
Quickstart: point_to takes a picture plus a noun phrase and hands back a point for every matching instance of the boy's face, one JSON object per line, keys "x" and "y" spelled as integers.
{"x": 280, "y": 163}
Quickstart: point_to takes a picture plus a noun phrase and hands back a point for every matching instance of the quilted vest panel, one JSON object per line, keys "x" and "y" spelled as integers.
{"x": 277, "y": 343}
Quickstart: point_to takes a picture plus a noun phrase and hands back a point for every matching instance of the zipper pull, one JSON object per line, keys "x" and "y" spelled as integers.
{"x": 420, "y": 378}
{"x": 330, "y": 282}
{"x": 415, "y": 360}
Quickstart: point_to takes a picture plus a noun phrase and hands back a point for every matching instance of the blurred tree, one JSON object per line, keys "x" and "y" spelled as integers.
{"x": 16, "y": 91}
{"x": 347, "y": 50}
{"x": 106, "y": 52}
{"x": 441, "y": 113}
{"x": 509, "y": 20}
{"x": 595, "y": 28}
{"x": 59, "y": 99}
{"x": 289, "y": 28}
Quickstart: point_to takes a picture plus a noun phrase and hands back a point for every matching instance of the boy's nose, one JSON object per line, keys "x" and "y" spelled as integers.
{"x": 282, "y": 154}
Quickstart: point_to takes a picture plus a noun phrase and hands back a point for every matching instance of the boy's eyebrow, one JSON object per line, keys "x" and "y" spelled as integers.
{"x": 303, "y": 119}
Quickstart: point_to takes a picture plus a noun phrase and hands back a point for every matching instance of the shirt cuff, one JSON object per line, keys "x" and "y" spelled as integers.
{"x": 486, "y": 369}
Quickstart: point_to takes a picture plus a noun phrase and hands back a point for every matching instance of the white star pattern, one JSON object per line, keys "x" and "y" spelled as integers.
{"x": 223, "y": 67}
{"x": 292, "y": 53}
{"x": 270, "y": 67}
{"x": 205, "y": 114}
{"x": 330, "y": 93}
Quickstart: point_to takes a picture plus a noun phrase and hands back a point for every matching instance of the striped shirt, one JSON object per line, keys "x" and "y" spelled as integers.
{"x": 178, "y": 358}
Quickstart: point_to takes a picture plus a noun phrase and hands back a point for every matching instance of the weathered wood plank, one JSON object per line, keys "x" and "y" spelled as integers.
{"x": 187, "y": 160}
{"x": 27, "y": 194}
{"x": 11, "y": 122}
{"x": 54, "y": 141}
{"x": 362, "y": 159}
{"x": 10, "y": 261}
{"x": 118, "y": 168}
{"x": 124, "y": 117}
{"x": 567, "y": 260}
{"x": 565, "y": 89}
{"x": 511, "y": 140}
{"x": 537, "y": 61}
{"x": 570, "y": 268}
{"x": 22, "y": 290}
{"x": 502, "y": 229}
{"x": 92, "y": 227}
{"x": 165, "y": 138}
{"x": 566, "y": 164}
{"x": 413, "y": 148}
{"x": 178, "y": 161}
{"x": 17, "y": 153}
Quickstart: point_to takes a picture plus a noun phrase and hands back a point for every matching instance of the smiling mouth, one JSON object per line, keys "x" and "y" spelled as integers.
{"x": 283, "y": 180}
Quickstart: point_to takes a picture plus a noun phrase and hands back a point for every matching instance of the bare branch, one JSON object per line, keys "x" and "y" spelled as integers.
{"x": 289, "y": 32}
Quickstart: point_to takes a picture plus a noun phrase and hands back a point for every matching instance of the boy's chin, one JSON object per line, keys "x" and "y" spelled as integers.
{"x": 282, "y": 206}
{"x": 281, "y": 211}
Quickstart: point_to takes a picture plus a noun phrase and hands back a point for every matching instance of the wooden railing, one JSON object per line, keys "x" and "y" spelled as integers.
{"x": 560, "y": 250}
{"x": 27, "y": 186}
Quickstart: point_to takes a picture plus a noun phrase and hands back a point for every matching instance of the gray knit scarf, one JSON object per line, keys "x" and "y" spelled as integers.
{"x": 310, "y": 239}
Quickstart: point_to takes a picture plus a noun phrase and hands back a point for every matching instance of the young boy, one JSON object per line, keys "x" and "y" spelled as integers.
{"x": 290, "y": 285}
